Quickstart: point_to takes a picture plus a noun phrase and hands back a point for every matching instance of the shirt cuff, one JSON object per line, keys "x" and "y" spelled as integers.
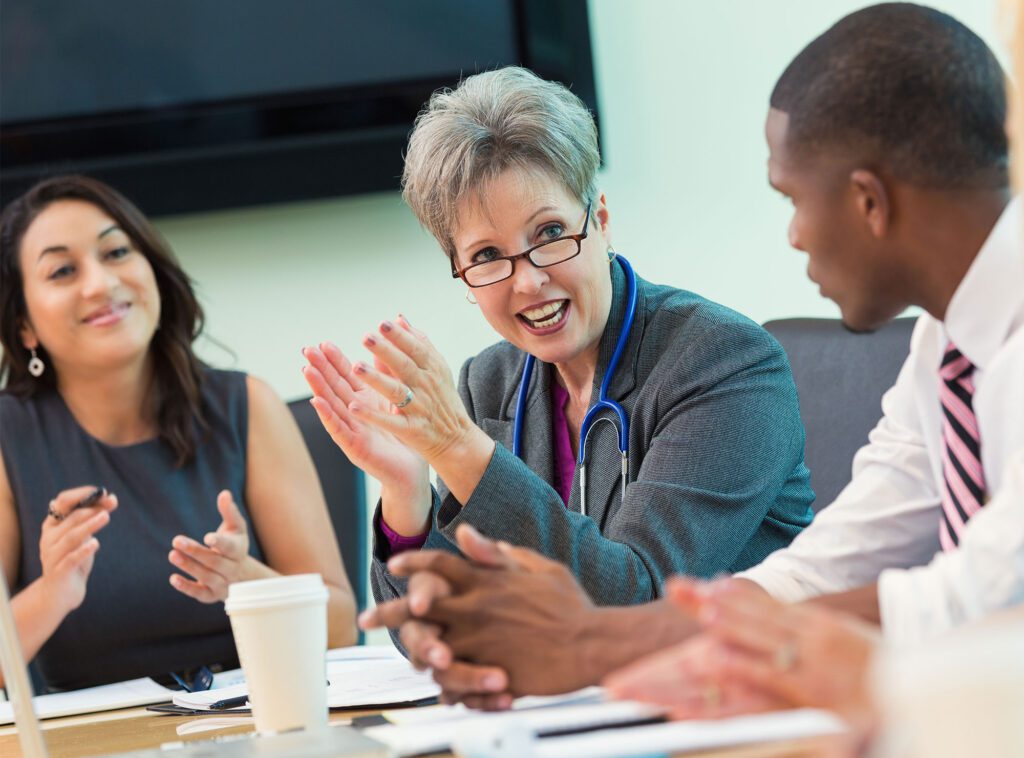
{"x": 398, "y": 543}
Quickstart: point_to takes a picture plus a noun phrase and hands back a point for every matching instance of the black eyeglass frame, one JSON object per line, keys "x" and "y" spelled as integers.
{"x": 577, "y": 238}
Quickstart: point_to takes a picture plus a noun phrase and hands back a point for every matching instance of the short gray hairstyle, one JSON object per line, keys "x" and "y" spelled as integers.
{"x": 491, "y": 122}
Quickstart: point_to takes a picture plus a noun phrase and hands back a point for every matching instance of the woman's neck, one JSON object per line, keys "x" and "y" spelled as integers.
{"x": 114, "y": 406}
{"x": 577, "y": 376}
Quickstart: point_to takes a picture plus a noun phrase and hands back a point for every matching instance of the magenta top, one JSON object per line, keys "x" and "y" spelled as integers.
{"x": 565, "y": 470}
{"x": 565, "y": 461}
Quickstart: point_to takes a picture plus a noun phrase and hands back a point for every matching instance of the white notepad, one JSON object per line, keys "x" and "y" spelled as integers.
{"x": 107, "y": 697}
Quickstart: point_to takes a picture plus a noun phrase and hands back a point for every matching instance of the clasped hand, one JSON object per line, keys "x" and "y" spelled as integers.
{"x": 486, "y": 627}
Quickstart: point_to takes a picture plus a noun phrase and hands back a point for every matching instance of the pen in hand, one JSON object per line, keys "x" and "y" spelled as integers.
{"x": 89, "y": 500}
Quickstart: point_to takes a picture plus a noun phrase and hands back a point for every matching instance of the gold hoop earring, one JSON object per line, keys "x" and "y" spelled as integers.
{"x": 469, "y": 297}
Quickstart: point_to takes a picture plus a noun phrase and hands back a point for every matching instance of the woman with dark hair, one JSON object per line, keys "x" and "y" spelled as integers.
{"x": 109, "y": 422}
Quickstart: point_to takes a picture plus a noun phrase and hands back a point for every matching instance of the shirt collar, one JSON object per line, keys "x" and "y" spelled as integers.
{"x": 989, "y": 302}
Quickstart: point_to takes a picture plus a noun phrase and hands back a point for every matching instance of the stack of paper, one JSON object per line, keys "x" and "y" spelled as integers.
{"x": 358, "y": 676}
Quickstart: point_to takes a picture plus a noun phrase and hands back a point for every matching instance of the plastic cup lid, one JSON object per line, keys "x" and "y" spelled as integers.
{"x": 276, "y": 591}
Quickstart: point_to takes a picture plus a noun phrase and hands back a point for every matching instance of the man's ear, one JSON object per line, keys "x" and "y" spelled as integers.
{"x": 872, "y": 201}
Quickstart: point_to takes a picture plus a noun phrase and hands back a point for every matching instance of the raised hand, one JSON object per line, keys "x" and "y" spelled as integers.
{"x": 402, "y": 472}
{"x": 222, "y": 559}
{"x": 68, "y": 545}
{"x": 417, "y": 402}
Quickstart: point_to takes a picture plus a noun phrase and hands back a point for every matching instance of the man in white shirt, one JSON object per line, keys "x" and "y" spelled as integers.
{"x": 887, "y": 134}
{"x": 887, "y": 224}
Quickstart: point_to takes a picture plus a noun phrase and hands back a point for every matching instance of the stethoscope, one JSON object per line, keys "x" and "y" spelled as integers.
{"x": 603, "y": 403}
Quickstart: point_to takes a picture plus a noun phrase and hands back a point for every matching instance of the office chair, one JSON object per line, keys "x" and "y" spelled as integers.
{"x": 840, "y": 379}
{"x": 345, "y": 491}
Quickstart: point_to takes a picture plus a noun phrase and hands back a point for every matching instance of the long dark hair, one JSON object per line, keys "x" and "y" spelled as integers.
{"x": 177, "y": 375}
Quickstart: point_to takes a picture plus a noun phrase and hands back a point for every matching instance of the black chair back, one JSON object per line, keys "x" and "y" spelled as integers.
{"x": 345, "y": 491}
{"x": 840, "y": 378}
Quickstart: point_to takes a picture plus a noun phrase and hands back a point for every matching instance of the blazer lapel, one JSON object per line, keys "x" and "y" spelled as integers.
{"x": 538, "y": 449}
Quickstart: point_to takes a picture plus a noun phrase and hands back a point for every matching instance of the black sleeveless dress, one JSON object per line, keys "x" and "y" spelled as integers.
{"x": 132, "y": 622}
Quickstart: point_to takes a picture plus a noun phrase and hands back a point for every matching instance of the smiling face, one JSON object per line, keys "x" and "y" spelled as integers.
{"x": 91, "y": 296}
{"x": 840, "y": 219}
{"x": 557, "y": 313}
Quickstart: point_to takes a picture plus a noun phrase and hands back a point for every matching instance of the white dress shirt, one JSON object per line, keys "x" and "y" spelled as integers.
{"x": 884, "y": 525}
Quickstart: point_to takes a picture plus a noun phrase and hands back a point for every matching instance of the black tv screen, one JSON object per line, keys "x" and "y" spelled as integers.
{"x": 198, "y": 105}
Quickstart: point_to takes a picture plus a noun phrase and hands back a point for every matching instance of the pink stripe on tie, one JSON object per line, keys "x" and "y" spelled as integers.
{"x": 945, "y": 541}
{"x": 954, "y": 369}
{"x": 956, "y": 446}
{"x": 967, "y": 501}
{"x": 952, "y": 517}
{"x": 960, "y": 412}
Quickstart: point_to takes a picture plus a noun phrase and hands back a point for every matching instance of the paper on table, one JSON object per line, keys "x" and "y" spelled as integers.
{"x": 365, "y": 653}
{"x": 355, "y": 681}
{"x": 689, "y": 736}
{"x": 107, "y": 697}
{"x": 145, "y": 691}
{"x": 437, "y": 736}
{"x": 435, "y": 713}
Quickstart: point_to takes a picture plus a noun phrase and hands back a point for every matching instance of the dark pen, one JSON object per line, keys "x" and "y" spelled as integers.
{"x": 234, "y": 702}
{"x": 90, "y": 499}
{"x": 85, "y": 502}
{"x": 231, "y": 702}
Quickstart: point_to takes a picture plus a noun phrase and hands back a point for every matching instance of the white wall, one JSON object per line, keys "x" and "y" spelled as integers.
{"x": 683, "y": 90}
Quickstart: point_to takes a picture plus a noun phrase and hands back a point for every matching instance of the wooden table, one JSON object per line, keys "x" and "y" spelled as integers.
{"x": 137, "y": 728}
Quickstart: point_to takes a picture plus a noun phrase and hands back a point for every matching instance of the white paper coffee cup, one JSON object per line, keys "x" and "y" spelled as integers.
{"x": 280, "y": 630}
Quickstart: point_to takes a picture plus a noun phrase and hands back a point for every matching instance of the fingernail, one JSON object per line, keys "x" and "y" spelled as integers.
{"x": 404, "y": 318}
{"x": 385, "y": 326}
{"x": 360, "y": 368}
{"x": 369, "y": 340}
{"x": 210, "y": 540}
{"x": 493, "y": 682}
{"x": 436, "y": 657}
{"x": 364, "y": 618}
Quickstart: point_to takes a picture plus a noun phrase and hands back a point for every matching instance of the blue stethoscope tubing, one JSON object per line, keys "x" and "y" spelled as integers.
{"x": 603, "y": 402}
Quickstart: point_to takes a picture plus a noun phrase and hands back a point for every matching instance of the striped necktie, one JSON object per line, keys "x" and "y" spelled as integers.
{"x": 964, "y": 493}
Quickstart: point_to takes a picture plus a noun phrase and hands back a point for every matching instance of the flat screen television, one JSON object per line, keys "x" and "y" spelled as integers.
{"x": 197, "y": 105}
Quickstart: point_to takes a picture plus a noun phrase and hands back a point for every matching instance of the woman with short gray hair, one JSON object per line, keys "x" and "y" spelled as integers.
{"x": 703, "y": 472}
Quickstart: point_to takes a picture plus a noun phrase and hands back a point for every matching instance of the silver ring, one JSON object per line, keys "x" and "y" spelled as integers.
{"x": 408, "y": 399}
{"x": 785, "y": 658}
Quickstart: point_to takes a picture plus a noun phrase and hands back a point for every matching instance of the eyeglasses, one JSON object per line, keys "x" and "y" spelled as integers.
{"x": 545, "y": 254}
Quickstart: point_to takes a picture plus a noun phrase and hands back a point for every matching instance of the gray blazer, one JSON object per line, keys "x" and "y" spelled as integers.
{"x": 716, "y": 473}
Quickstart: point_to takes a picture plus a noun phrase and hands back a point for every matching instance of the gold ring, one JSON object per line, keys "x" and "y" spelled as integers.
{"x": 712, "y": 696}
{"x": 785, "y": 657}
